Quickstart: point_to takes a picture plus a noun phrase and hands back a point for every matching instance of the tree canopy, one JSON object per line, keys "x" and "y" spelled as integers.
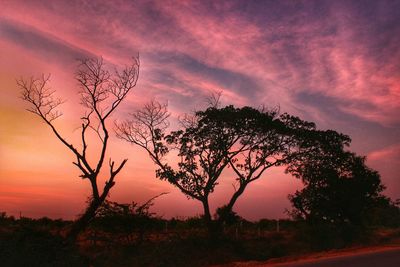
{"x": 247, "y": 140}
{"x": 340, "y": 189}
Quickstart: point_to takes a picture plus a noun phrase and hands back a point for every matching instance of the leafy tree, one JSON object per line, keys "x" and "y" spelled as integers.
{"x": 339, "y": 189}
{"x": 101, "y": 93}
{"x": 204, "y": 147}
{"x": 246, "y": 139}
{"x": 384, "y": 213}
{"x": 271, "y": 140}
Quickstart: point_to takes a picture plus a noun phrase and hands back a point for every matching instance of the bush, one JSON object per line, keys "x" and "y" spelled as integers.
{"x": 27, "y": 246}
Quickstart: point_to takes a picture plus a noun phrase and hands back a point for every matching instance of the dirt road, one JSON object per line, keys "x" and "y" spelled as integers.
{"x": 386, "y": 258}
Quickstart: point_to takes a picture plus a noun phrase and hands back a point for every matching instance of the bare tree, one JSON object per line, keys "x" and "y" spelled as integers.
{"x": 101, "y": 93}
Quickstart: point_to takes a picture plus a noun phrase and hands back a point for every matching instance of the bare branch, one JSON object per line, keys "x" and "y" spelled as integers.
{"x": 146, "y": 127}
{"x": 188, "y": 120}
{"x": 101, "y": 93}
{"x": 37, "y": 92}
{"x": 123, "y": 82}
{"x": 213, "y": 100}
{"x": 149, "y": 202}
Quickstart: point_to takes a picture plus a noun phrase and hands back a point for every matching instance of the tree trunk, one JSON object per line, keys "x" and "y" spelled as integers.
{"x": 229, "y": 207}
{"x": 208, "y": 219}
{"x": 207, "y": 214}
{"x": 83, "y": 221}
{"x": 214, "y": 228}
{"x": 235, "y": 197}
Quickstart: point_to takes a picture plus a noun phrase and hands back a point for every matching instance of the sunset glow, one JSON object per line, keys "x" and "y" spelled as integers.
{"x": 335, "y": 63}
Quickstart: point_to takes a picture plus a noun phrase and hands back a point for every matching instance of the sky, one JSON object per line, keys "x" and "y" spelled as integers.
{"x": 335, "y": 63}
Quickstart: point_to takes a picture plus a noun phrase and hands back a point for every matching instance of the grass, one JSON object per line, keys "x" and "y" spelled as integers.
{"x": 28, "y": 242}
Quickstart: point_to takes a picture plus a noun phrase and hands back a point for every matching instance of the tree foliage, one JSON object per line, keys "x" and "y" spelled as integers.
{"x": 248, "y": 140}
{"x": 339, "y": 190}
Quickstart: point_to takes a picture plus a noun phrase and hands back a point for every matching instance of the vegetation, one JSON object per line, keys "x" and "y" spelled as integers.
{"x": 248, "y": 140}
{"x": 117, "y": 239}
{"x": 101, "y": 94}
{"x": 341, "y": 202}
{"x": 339, "y": 194}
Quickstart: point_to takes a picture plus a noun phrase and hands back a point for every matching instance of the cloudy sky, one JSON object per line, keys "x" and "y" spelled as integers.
{"x": 332, "y": 62}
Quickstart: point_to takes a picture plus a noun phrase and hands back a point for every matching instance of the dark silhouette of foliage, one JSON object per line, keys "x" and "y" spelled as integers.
{"x": 126, "y": 219}
{"x": 101, "y": 93}
{"x": 33, "y": 242}
{"x": 340, "y": 189}
{"x": 227, "y": 215}
{"x": 245, "y": 139}
{"x": 270, "y": 140}
{"x": 28, "y": 246}
{"x": 340, "y": 192}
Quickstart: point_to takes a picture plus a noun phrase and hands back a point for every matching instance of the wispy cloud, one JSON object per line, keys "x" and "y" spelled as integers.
{"x": 283, "y": 49}
{"x": 43, "y": 45}
{"x": 387, "y": 161}
{"x": 333, "y": 62}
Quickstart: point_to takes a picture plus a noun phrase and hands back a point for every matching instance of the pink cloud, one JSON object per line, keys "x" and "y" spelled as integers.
{"x": 334, "y": 64}
{"x": 339, "y": 56}
{"x": 387, "y": 162}
{"x": 391, "y": 152}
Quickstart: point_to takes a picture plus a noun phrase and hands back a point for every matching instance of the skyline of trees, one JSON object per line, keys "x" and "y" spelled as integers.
{"x": 246, "y": 140}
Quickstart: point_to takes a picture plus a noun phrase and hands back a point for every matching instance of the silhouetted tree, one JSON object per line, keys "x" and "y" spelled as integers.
{"x": 271, "y": 140}
{"x": 204, "y": 147}
{"x": 339, "y": 188}
{"x": 384, "y": 213}
{"x": 246, "y": 139}
{"x": 101, "y": 93}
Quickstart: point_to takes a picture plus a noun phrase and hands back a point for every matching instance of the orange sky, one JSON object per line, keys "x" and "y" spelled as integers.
{"x": 332, "y": 63}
